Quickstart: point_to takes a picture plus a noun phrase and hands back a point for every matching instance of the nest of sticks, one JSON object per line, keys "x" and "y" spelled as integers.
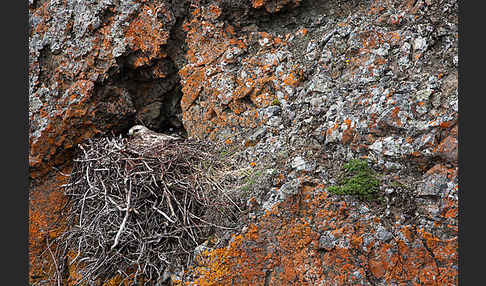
{"x": 136, "y": 213}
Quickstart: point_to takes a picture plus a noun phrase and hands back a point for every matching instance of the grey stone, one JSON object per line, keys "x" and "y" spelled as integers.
{"x": 433, "y": 185}
{"x": 273, "y": 199}
{"x": 298, "y": 163}
{"x": 290, "y": 188}
{"x": 364, "y": 209}
{"x": 420, "y": 44}
{"x": 272, "y": 110}
{"x": 258, "y": 134}
{"x": 423, "y": 95}
{"x": 383, "y": 234}
{"x": 357, "y": 274}
{"x": 327, "y": 241}
{"x": 274, "y": 121}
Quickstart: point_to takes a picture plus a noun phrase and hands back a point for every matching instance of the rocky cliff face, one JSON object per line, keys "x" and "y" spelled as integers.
{"x": 302, "y": 87}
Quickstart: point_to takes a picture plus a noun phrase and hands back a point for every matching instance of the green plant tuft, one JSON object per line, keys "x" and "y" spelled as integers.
{"x": 275, "y": 102}
{"x": 357, "y": 179}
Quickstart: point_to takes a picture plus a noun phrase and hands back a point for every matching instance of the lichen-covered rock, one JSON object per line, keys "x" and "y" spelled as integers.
{"x": 375, "y": 80}
{"x": 231, "y": 76}
{"x": 80, "y": 54}
{"x": 302, "y": 87}
{"x": 92, "y": 67}
{"x": 322, "y": 240}
{"x": 275, "y": 6}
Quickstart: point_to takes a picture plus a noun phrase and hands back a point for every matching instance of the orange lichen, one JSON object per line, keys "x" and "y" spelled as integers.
{"x": 46, "y": 222}
{"x": 447, "y": 124}
{"x": 395, "y": 117}
{"x": 146, "y": 33}
{"x": 348, "y": 135}
{"x": 392, "y": 37}
{"x": 209, "y": 107}
{"x": 285, "y": 240}
{"x": 284, "y": 244}
{"x": 292, "y": 79}
{"x": 303, "y": 31}
{"x": 257, "y": 3}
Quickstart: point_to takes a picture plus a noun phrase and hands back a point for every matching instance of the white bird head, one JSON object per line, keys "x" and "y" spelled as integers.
{"x": 137, "y": 129}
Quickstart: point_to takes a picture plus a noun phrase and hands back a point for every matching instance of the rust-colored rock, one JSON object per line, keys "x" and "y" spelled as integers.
{"x": 79, "y": 53}
{"x": 325, "y": 81}
{"x": 275, "y": 6}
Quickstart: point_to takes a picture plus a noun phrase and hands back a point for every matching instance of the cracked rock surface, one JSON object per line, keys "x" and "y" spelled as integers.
{"x": 299, "y": 88}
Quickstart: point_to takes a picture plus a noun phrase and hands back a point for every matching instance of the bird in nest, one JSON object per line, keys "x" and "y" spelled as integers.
{"x": 141, "y": 136}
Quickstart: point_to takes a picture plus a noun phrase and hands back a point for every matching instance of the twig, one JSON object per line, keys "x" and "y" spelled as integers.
{"x": 127, "y": 213}
{"x": 54, "y": 260}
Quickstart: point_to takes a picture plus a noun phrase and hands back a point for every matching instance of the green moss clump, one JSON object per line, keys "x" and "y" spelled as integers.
{"x": 357, "y": 179}
{"x": 275, "y": 102}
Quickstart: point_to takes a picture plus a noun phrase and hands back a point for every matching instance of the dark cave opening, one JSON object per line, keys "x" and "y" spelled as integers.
{"x": 155, "y": 88}
{"x": 155, "y": 93}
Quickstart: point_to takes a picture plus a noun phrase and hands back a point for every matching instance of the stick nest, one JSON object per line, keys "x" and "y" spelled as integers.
{"x": 137, "y": 212}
